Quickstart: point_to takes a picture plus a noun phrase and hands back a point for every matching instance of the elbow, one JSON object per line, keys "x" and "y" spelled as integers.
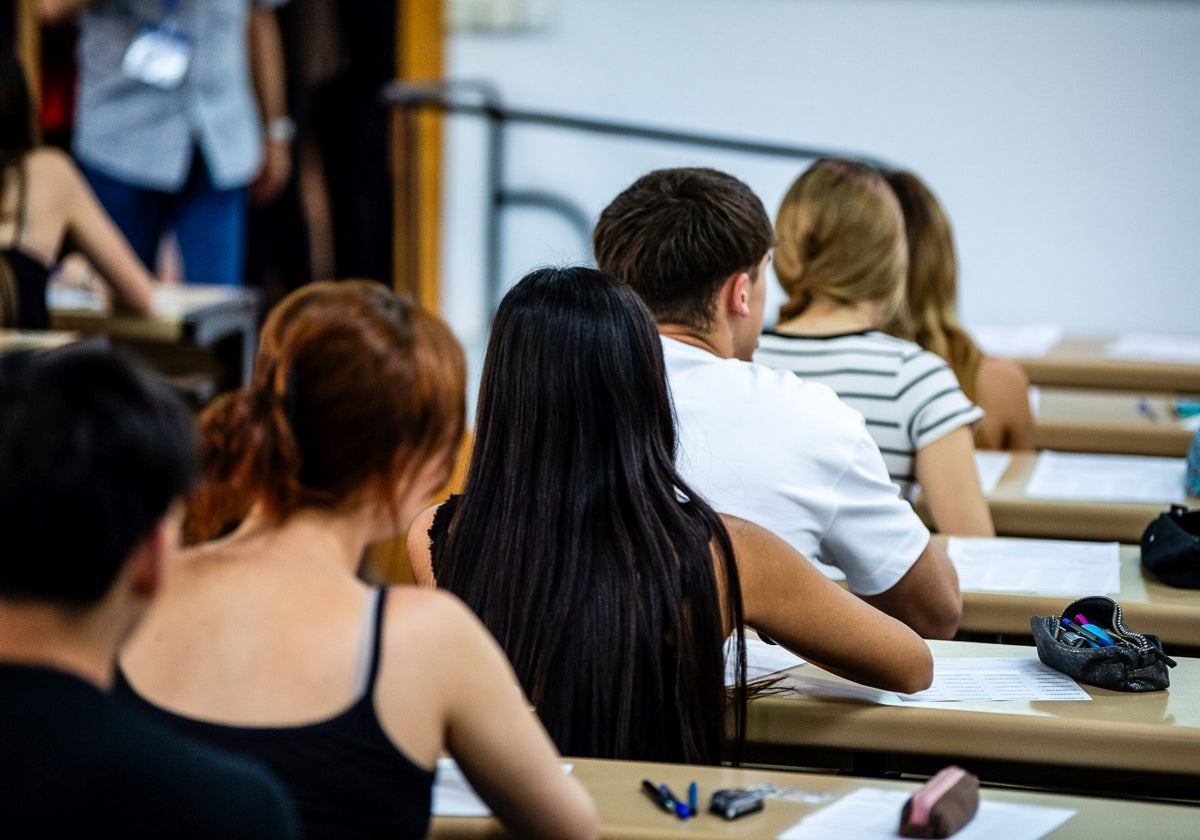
{"x": 588, "y": 827}
{"x": 940, "y": 622}
{"x": 918, "y": 676}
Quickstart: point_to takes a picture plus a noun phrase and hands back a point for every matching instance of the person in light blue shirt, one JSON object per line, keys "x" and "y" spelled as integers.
{"x": 168, "y": 129}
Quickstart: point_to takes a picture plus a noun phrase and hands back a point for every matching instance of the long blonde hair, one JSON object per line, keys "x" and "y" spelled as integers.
{"x": 840, "y": 234}
{"x": 932, "y": 300}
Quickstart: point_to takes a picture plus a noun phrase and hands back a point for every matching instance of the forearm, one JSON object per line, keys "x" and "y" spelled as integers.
{"x": 266, "y": 64}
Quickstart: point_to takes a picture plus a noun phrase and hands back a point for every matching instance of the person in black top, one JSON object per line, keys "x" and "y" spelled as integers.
{"x": 93, "y": 457}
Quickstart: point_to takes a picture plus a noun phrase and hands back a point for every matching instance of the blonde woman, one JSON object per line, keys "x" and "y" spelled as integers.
{"x": 842, "y": 258}
{"x": 998, "y": 386}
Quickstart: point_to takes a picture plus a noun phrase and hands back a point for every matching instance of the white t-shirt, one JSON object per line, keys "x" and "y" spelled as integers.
{"x": 788, "y": 455}
{"x": 908, "y": 396}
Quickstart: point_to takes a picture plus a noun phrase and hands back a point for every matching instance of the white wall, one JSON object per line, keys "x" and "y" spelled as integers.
{"x": 1063, "y": 136}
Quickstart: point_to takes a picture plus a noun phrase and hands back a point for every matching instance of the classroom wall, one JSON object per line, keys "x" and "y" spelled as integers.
{"x": 1061, "y": 135}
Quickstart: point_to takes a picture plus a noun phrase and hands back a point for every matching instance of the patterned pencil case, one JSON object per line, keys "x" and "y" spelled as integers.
{"x": 942, "y": 806}
{"x": 1090, "y": 642}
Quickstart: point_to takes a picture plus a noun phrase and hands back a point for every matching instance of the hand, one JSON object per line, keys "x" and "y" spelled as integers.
{"x": 274, "y": 173}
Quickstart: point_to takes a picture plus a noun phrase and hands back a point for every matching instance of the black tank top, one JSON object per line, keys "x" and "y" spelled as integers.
{"x": 346, "y": 776}
{"x": 23, "y": 305}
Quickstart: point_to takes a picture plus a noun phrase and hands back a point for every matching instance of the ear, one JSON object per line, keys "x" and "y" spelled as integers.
{"x": 149, "y": 556}
{"x": 737, "y": 294}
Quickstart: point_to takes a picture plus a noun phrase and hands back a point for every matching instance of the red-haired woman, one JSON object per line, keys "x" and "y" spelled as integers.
{"x": 264, "y": 641}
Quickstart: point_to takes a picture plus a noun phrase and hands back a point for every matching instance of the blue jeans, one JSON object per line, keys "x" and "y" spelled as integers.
{"x": 209, "y": 223}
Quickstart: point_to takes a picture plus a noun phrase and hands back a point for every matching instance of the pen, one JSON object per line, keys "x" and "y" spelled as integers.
{"x": 693, "y": 798}
{"x": 677, "y": 805}
{"x": 1093, "y": 629}
{"x": 1146, "y": 410}
{"x": 1092, "y": 637}
{"x": 661, "y": 799}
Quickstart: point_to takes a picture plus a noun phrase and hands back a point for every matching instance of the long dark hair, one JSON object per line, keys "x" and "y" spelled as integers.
{"x": 577, "y": 542}
{"x": 17, "y": 133}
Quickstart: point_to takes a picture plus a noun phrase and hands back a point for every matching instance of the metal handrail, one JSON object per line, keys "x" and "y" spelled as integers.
{"x": 480, "y": 98}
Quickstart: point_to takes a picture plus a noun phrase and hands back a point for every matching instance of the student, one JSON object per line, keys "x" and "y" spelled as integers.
{"x": 43, "y": 197}
{"x": 609, "y": 583}
{"x": 842, "y": 259}
{"x": 759, "y": 443}
{"x": 266, "y": 642}
{"x": 94, "y": 458}
{"x": 998, "y": 386}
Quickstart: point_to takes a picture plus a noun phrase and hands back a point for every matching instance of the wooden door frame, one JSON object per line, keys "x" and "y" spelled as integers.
{"x": 417, "y": 153}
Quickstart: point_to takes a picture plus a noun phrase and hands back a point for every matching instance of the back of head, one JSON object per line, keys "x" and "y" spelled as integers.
{"x": 930, "y": 316}
{"x": 354, "y": 389}
{"x": 570, "y": 541}
{"x": 841, "y": 236}
{"x": 676, "y": 235}
{"x": 92, "y": 455}
{"x": 17, "y": 133}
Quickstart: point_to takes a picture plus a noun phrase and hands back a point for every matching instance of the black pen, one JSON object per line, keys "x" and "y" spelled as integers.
{"x": 661, "y": 799}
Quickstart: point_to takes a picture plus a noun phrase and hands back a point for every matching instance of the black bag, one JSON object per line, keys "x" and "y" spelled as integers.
{"x": 1171, "y": 548}
{"x": 1135, "y": 663}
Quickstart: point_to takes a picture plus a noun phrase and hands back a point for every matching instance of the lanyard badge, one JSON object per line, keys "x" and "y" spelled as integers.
{"x": 159, "y": 55}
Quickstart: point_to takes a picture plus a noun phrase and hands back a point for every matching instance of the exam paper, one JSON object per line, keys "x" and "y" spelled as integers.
{"x": 1107, "y": 478}
{"x": 1155, "y": 347}
{"x": 762, "y": 659}
{"x": 1045, "y": 567}
{"x": 1026, "y": 341}
{"x": 874, "y": 814}
{"x": 991, "y": 467}
{"x": 985, "y": 678}
{"x": 453, "y": 795}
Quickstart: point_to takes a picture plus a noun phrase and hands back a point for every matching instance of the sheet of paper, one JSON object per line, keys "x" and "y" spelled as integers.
{"x": 761, "y": 659}
{"x": 1022, "y": 341}
{"x": 67, "y": 297}
{"x": 1045, "y": 567}
{"x": 453, "y": 795}
{"x": 984, "y": 678}
{"x": 874, "y": 814}
{"x": 1107, "y": 478}
{"x": 1155, "y": 347}
{"x": 991, "y": 467}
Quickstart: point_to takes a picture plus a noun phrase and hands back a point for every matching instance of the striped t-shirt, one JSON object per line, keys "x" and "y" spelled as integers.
{"x": 908, "y": 396}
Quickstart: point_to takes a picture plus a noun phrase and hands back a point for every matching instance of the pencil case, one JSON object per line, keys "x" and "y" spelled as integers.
{"x": 1129, "y": 662}
{"x": 942, "y": 806}
{"x": 1170, "y": 548}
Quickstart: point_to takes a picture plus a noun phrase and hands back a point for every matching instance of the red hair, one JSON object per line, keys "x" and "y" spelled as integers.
{"x": 354, "y": 388}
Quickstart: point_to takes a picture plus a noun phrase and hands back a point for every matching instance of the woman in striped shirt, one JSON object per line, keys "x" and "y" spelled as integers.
{"x": 842, "y": 258}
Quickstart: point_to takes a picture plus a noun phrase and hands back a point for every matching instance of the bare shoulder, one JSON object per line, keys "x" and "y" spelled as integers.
{"x": 433, "y": 617}
{"x": 1002, "y": 376}
{"x": 51, "y": 163}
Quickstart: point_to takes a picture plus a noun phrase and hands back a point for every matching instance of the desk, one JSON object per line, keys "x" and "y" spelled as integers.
{"x": 189, "y": 327}
{"x": 1080, "y": 363}
{"x": 1016, "y": 515}
{"x": 14, "y": 341}
{"x": 1170, "y": 613}
{"x": 626, "y": 813}
{"x": 1118, "y": 741}
{"x": 1091, "y": 421}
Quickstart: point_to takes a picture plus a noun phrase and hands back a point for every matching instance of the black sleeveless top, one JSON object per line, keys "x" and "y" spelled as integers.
{"x": 23, "y": 306}
{"x": 346, "y": 776}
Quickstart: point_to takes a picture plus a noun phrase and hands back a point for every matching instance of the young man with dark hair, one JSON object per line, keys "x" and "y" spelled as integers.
{"x": 759, "y": 443}
{"x": 94, "y": 457}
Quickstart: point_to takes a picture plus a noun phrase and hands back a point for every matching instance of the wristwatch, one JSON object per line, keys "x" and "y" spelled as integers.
{"x": 280, "y": 130}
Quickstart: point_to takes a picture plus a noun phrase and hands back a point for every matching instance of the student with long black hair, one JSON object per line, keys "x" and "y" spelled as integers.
{"x": 609, "y": 583}
{"x": 43, "y": 198}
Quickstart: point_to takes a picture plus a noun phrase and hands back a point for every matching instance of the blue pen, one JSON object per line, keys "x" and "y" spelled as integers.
{"x": 680, "y": 807}
{"x": 1146, "y": 410}
{"x": 1092, "y": 628}
{"x": 693, "y": 798}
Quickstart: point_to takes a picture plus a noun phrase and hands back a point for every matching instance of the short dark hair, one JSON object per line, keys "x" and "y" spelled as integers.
{"x": 92, "y": 454}
{"x": 676, "y": 235}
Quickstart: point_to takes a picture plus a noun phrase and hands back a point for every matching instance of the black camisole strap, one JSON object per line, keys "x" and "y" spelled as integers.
{"x": 19, "y": 223}
{"x": 376, "y": 641}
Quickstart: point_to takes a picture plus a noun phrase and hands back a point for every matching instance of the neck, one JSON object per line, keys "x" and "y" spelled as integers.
{"x": 319, "y": 535}
{"x": 717, "y": 342}
{"x": 81, "y": 642}
{"x": 827, "y": 317}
